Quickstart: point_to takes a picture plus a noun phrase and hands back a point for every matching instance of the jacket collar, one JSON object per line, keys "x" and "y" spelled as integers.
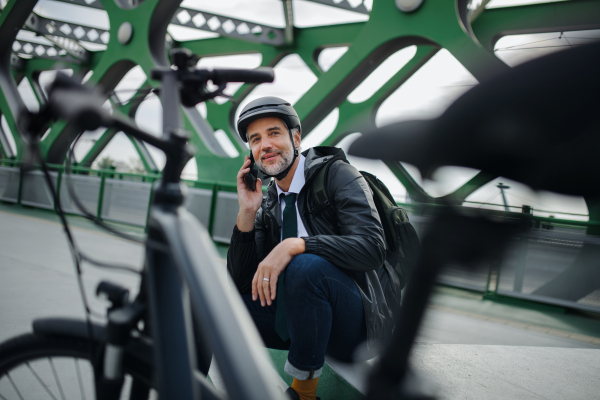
{"x": 317, "y": 157}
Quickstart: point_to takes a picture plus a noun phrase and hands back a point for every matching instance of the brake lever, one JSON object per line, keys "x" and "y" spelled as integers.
{"x": 33, "y": 126}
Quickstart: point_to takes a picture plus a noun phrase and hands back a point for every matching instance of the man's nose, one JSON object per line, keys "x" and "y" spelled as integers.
{"x": 266, "y": 144}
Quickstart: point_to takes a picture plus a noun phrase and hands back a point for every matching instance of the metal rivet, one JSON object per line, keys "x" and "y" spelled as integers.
{"x": 125, "y": 33}
{"x": 408, "y": 5}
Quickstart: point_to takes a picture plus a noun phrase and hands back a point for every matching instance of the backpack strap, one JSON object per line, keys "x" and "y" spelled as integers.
{"x": 321, "y": 196}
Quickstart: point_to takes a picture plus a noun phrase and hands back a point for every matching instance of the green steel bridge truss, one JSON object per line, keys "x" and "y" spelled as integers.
{"x": 468, "y": 35}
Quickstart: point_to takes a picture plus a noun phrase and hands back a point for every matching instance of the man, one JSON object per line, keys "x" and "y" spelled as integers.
{"x": 309, "y": 280}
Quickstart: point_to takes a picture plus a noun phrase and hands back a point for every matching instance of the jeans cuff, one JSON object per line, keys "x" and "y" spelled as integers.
{"x": 300, "y": 374}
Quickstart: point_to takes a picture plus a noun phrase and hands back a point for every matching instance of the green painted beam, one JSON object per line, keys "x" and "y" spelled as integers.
{"x": 224, "y": 46}
{"x": 118, "y": 58}
{"x": 360, "y": 117}
{"x": 97, "y": 148}
{"x": 311, "y": 41}
{"x": 561, "y": 16}
{"x": 129, "y": 108}
{"x": 39, "y": 96}
{"x": 415, "y": 191}
{"x": 34, "y": 65}
{"x": 460, "y": 194}
{"x": 144, "y": 155}
{"x": 436, "y": 24}
{"x": 11, "y": 104}
{"x": 387, "y": 31}
{"x": 4, "y": 152}
{"x": 12, "y": 125}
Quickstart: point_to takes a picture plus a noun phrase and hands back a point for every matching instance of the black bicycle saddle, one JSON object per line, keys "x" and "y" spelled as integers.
{"x": 538, "y": 123}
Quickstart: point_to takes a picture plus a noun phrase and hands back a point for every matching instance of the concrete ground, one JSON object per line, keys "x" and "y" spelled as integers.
{"x": 469, "y": 347}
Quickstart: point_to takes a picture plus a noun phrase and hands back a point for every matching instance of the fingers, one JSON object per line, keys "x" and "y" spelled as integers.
{"x": 266, "y": 290}
{"x": 257, "y": 290}
{"x": 254, "y": 286}
{"x": 246, "y": 163}
{"x": 273, "y": 285}
{"x": 259, "y": 287}
{"x": 258, "y": 185}
{"x": 244, "y": 170}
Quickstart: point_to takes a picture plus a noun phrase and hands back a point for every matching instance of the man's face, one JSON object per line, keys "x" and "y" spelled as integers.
{"x": 271, "y": 145}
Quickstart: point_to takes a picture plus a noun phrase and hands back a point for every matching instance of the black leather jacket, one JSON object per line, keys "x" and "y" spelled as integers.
{"x": 354, "y": 242}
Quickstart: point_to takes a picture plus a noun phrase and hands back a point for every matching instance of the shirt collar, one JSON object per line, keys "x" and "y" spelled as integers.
{"x": 298, "y": 179}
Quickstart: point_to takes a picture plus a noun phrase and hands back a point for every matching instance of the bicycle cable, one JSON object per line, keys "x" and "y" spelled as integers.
{"x": 77, "y": 254}
{"x": 141, "y": 94}
{"x": 87, "y": 214}
{"x": 74, "y": 252}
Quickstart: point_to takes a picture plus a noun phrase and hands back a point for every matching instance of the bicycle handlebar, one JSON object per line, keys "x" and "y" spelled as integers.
{"x": 259, "y": 75}
{"x": 71, "y": 100}
{"x": 80, "y": 105}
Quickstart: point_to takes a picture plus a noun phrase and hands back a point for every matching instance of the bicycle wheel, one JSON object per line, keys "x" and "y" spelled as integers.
{"x": 59, "y": 367}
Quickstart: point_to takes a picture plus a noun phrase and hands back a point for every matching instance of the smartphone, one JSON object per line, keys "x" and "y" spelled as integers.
{"x": 250, "y": 177}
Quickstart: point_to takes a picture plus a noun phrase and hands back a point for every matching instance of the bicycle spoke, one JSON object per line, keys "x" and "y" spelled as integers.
{"x": 40, "y": 381}
{"x": 62, "y": 395}
{"x": 2, "y": 397}
{"x": 14, "y": 386}
{"x": 79, "y": 379}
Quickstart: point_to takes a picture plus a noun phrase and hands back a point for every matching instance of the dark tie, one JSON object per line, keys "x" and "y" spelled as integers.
{"x": 289, "y": 229}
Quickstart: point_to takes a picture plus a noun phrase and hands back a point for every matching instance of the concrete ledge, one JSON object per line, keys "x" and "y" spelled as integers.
{"x": 496, "y": 372}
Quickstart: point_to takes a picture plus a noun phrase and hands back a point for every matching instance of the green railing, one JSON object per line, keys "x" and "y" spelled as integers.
{"x": 103, "y": 174}
{"x": 215, "y": 187}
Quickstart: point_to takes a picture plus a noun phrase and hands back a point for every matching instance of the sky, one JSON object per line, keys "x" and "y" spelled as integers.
{"x": 425, "y": 95}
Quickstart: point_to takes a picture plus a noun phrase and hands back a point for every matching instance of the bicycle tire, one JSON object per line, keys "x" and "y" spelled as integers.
{"x": 32, "y": 366}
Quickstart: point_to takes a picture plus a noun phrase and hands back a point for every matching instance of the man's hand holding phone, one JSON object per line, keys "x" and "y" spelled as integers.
{"x": 248, "y": 197}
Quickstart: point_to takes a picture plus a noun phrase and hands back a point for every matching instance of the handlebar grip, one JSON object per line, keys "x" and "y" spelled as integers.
{"x": 71, "y": 100}
{"x": 258, "y": 75}
{"x": 64, "y": 81}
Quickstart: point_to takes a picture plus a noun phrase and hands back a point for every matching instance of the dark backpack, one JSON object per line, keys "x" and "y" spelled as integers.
{"x": 402, "y": 242}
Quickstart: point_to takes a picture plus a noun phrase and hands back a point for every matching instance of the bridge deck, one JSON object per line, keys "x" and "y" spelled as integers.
{"x": 469, "y": 347}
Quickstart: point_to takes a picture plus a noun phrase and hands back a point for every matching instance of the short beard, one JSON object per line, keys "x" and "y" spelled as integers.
{"x": 286, "y": 160}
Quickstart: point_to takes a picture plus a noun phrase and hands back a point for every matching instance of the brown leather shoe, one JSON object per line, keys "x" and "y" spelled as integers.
{"x": 292, "y": 395}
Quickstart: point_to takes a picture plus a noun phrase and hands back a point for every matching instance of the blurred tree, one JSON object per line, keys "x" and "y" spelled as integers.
{"x": 136, "y": 165}
{"x": 105, "y": 163}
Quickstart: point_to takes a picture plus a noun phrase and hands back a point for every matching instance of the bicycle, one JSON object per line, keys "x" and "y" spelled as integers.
{"x": 150, "y": 339}
{"x": 452, "y": 237}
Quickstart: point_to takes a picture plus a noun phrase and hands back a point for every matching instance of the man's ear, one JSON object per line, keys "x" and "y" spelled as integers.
{"x": 297, "y": 139}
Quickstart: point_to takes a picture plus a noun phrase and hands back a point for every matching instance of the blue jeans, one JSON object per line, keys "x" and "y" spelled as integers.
{"x": 324, "y": 314}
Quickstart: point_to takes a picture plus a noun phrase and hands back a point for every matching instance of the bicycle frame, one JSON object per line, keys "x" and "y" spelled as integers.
{"x": 189, "y": 273}
{"x": 181, "y": 263}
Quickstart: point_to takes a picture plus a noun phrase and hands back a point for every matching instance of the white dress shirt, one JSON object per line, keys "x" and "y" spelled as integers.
{"x": 297, "y": 185}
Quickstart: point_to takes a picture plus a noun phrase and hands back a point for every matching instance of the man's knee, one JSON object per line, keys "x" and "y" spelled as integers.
{"x": 305, "y": 269}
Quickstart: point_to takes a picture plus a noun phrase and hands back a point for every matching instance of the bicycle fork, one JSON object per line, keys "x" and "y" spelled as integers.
{"x": 122, "y": 318}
